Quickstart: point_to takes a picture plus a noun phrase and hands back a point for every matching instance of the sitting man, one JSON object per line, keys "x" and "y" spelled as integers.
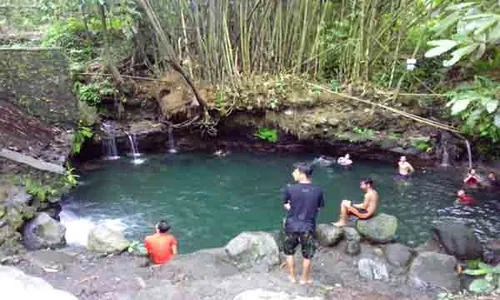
{"x": 364, "y": 210}
{"x": 161, "y": 246}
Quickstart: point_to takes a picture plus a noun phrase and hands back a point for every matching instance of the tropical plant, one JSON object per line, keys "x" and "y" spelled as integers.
{"x": 477, "y": 104}
{"x": 136, "y": 246}
{"x": 363, "y": 131}
{"x": 266, "y": 134}
{"x": 476, "y": 28}
{"x": 421, "y": 145}
{"x": 489, "y": 282}
{"x": 70, "y": 179}
{"x": 37, "y": 189}
{"x": 83, "y": 133}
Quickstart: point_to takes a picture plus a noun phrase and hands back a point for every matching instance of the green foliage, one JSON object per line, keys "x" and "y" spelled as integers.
{"x": 267, "y": 134}
{"x": 70, "y": 179}
{"x": 421, "y": 145}
{"x": 83, "y": 133}
{"x": 363, "y": 131}
{"x": 93, "y": 93}
{"x": 477, "y": 104}
{"x": 136, "y": 246}
{"x": 490, "y": 280}
{"x": 476, "y": 28}
{"x": 37, "y": 189}
{"x": 394, "y": 136}
{"x": 445, "y": 296}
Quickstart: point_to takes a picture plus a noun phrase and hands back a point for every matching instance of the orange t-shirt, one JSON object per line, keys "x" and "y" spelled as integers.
{"x": 159, "y": 247}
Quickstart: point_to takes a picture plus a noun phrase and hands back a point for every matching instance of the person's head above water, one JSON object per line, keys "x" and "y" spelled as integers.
{"x": 402, "y": 159}
{"x": 460, "y": 193}
{"x": 492, "y": 176}
{"x": 472, "y": 172}
{"x": 302, "y": 171}
{"x": 366, "y": 183}
{"x": 162, "y": 226}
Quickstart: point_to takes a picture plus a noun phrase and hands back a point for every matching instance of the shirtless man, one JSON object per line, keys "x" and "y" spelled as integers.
{"x": 364, "y": 210}
{"x": 405, "y": 168}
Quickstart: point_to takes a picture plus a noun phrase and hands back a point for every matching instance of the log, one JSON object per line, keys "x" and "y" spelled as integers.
{"x": 32, "y": 162}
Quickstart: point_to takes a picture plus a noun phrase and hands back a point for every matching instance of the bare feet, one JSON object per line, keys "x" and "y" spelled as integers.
{"x": 292, "y": 279}
{"x": 303, "y": 282}
{"x": 339, "y": 224}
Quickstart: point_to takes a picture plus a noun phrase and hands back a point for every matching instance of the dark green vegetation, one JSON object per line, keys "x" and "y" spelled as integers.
{"x": 345, "y": 45}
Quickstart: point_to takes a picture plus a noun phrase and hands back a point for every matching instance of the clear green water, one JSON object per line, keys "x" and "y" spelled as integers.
{"x": 209, "y": 200}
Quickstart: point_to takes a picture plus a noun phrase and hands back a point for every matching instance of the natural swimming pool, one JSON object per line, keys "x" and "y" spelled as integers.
{"x": 209, "y": 200}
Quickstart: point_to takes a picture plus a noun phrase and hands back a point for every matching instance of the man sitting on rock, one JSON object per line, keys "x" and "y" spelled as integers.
{"x": 364, "y": 210}
{"x": 161, "y": 246}
{"x": 302, "y": 201}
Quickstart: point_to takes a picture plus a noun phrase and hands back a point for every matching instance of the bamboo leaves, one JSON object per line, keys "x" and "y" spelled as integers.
{"x": 440, "y": 47}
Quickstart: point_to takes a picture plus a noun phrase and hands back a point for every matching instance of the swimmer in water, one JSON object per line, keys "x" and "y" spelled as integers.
{"x": 405, "y": 168}
{"x": 345, "y": 161}
{"x": 324, "y": 161}
{"x": 472, "y": 180}
{"x": 465, "y": 199}
{"x": 493, "y": 182}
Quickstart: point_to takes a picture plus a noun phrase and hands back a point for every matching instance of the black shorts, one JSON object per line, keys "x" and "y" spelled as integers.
{"x": 305, "y": 239}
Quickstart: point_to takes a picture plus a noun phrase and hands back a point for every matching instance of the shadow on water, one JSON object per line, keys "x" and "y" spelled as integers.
{"x": 208, "y": 200}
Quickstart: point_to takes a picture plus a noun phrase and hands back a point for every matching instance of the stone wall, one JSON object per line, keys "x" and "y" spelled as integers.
{"x": 37, "y": 81}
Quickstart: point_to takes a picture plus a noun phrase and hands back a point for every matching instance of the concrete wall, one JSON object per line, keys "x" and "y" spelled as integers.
{"x": 38, "y": 82}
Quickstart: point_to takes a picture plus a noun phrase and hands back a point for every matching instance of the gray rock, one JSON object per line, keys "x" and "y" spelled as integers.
{"x": 107, "y": 238}
{"x": 398, "y": 255}
{"x": 15, "y": 282}
{"x": 43, "y": 232}
{"x": 434, "y": 270}
{"x": 353, "y": 246}
{"x": 373, "y": 269}
{"x": 19, "y": 195}
{"x": 249, "y": 249}
{"x": 328, "y": 235}
{"x": 381, "y": 228}
{"x": 260, "y": 294}
{"x": 459, "y": 240}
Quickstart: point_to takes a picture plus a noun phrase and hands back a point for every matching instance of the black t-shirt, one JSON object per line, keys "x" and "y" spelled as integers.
{"x": 305, "y": 200}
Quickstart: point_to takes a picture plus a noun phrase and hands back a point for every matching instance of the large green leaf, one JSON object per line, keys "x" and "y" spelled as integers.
{"x": 459, "y": 53}
{"x": 487, "y": 24}
{"x": 494, "y": 34}
{"x": 481, "y": 286}
{"x": 477, "y": 272}
{"x": 480, "y": 51}
{"x": 446, "y": 23}
{"x": 491, "y": 105}
{"x": 460, "y": 6}
{"x": 440, "y": 47}
{"x": 460, "y": 105}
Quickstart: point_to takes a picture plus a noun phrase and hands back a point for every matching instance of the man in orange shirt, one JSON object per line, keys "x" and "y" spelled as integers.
{"x": 161, "y": 246}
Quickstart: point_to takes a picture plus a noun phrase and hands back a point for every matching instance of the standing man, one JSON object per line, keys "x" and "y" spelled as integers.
{"x": 303, "y": 201}
{"x": 161, "y": 246}
{"x": 405, "y": 168}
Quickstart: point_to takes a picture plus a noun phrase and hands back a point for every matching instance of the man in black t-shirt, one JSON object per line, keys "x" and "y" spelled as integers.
{"x": 302, "y": 201}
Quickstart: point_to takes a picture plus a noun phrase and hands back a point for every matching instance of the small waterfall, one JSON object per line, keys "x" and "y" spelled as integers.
{"x": 134, "y": 148}
{"x": 469, "y": 152}
{"x": 77, "y": 229}
{"x": 171, "y": 142}
{"x": 109, "y": 142}
{"x": 445, "y": 159}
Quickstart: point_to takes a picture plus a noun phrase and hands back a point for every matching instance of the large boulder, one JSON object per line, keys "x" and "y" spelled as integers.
{"x": 107, "y": 238}
{"x": 434, "y": 270}
{"x": 250, "y": 249}
{"x": 459, "y": 240}
{"x": 353, "y": 241}
{"x": 43, "y": 232}
{"x": 260, "y": 294}
{"x": 373, "y": 269}
{"x": 398, "y": 255}
{"x": 15, "y": 282}
{"x": 328, "y": 235}
{"x": 381, "y": 228}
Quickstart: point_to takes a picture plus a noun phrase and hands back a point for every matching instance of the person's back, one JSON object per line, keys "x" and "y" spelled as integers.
{"x": 305, "y": 199}
{"x": 161, "y": 246}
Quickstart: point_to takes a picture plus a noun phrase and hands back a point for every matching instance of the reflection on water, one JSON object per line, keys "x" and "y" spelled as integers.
{"x": 209, "y": 200}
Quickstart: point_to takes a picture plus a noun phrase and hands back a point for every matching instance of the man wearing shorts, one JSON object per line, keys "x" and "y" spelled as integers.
{"x": 364, "y": 210}
{"x": 302, "y": 201}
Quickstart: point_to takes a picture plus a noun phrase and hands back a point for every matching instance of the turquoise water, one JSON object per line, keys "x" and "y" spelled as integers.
{"x": 209, "y": 200}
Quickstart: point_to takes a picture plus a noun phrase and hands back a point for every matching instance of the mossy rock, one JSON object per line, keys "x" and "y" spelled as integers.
{"x": 381, "y": 228}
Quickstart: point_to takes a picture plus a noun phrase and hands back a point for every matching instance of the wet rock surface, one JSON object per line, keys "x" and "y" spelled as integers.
{"x": 106, "y": 238}
{"x": 43, "y": 232}
{"x": 434, "y": 270}
{"x": 380, "y": 228}
{"x": 253, "y": 249}
{"x": 328, "y": 235}
{"x": 458, "y": 240}
{"x": 398, "y": 255}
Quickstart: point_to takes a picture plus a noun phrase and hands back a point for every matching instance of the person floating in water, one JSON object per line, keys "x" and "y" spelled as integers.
{"x": 161, "y": 246}
{"x": 405, "y": 168}
{"x": 324, "y": 161}
{"x": 302, "y": 201}
{"x": 345, "y": 161}
{"x": 493, "y": 182}
{"x": 465, "y": 199}
{"x": 472, "y": 180}
{"x": 221, "y": 152}
{"x": 364, "y": 210}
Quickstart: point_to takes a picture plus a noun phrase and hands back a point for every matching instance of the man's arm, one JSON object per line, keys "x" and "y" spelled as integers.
{"x": 365, "y": 204}
{"x": 286, "y": 199}
{"x": 410, "y": 167}
{"x": 174, "y": 246}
